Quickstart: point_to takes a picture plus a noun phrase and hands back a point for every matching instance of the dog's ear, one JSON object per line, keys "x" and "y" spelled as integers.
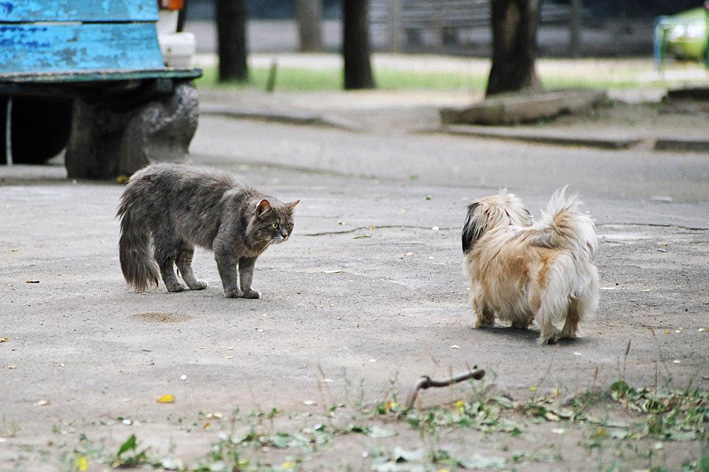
{"x": 473, "y": 227}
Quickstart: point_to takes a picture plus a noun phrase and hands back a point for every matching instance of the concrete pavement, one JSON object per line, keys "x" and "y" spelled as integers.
{"x": 367, "y": 295}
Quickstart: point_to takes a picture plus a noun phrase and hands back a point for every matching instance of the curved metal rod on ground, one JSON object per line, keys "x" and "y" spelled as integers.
{"x": 427, "y": 382}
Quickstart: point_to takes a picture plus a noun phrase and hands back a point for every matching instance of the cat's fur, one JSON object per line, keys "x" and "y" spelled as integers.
{"x": 168, "y": 209}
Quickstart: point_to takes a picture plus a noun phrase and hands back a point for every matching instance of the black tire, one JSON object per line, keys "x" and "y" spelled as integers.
{"x": 40, "y": 128}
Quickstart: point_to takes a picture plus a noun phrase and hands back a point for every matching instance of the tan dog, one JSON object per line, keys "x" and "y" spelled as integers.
{"x": 520, "y": 271}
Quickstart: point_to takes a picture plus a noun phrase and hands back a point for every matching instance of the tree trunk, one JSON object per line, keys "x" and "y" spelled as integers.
{"x": 182, "y": 17}
{"x": 514, "y": 45}
{"x": 231, "y": 29}
{"x": 309, "y": 25}
{"x": 355, "y": 44}
{"x": 575, "y": 28}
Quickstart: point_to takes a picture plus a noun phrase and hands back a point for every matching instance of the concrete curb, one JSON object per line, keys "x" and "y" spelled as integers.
{"x": 524, "y": 107}
{"x": 681, "y": 145}
{"x": 544, "y": 137}
{"x": 541, "y": 136}
{"x": 295, "y": 117}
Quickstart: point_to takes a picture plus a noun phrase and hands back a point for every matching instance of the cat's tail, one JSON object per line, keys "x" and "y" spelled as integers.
{"x": 134, "y": 250}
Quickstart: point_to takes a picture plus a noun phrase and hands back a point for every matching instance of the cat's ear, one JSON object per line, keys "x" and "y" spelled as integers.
{"x": 291, "y": 206}
{"x": 264, "y": 206}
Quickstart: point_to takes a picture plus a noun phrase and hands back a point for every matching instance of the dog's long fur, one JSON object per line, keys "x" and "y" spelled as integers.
{"x": 520, "y": 271}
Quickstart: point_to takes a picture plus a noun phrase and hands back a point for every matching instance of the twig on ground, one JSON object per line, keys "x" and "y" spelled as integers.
{"x": 427, "y": 382}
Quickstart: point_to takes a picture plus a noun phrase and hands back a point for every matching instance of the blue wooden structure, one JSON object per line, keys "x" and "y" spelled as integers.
{"x": 103, "y": 56}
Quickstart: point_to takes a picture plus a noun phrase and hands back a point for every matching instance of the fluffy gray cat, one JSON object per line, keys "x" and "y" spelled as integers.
{"x": 180, "y": 207}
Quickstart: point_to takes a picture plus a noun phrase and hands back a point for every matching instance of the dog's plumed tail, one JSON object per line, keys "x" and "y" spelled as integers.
{"x": 564, "y": 226}
{"x": 135, "y": 253}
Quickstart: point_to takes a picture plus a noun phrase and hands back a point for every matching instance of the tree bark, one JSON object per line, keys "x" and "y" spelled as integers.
{"x": 575, "y": 28}
{"x": 356, "y": 47}
{"x": 182, "y": 17}
{"x": 514, "y": 45}
{"x": 231, "y": 28}
{"x": 309, "y": 25}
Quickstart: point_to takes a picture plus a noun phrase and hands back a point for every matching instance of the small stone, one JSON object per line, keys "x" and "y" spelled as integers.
{"x": 661, "y": 199}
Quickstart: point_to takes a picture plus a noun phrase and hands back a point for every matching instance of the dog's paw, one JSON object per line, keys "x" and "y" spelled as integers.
{"x": 520, "y": 324}
{"x": 549, "y": 338}
{"x": 570, "y": 334}
{"x": 484, "y": 323}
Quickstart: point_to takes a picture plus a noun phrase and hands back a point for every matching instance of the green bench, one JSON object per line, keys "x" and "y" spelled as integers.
{"x": 88, "y": 75}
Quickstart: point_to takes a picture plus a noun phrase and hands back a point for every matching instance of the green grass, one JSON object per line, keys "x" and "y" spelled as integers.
{"x": 400, "y": 80}
{"x": 559, "y": 82}
{"x": 625, "y": 436}
{"x": 308, "y": 80}
{"x": 291, "y": 79}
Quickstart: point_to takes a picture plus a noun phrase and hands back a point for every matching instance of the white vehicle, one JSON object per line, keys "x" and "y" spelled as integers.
{"x": 177, "y": 48}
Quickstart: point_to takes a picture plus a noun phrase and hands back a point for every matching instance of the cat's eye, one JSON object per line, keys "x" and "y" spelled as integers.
{"x": 274, "y": 225}
{"x": 289, "y": 226}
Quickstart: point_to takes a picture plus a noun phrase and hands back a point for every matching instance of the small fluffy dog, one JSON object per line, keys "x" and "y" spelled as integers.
{"x": 522, "y": 271}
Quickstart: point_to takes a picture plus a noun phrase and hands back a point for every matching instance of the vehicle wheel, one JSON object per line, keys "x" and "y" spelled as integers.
{"x": 40, "y": 128}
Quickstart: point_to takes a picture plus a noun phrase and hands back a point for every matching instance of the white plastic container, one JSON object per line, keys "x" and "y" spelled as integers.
{"x": 177, "y": 49}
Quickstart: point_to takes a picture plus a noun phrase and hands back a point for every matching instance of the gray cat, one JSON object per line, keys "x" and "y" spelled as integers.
{"x": 180, "y": 207}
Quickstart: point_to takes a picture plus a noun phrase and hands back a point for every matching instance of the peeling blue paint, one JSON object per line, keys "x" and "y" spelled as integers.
{"x": 78, "y": 36}
{"x": 6, "y": 8}
{"x": 83, "y": 47}
{"x": 18, "y": 11}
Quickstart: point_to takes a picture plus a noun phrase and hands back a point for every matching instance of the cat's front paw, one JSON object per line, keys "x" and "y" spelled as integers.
{"x": 199, "y": 285}
{"x": 175, "y": 287}
{"x": 251, "y": 293}
{"x": 233, "y": 293}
